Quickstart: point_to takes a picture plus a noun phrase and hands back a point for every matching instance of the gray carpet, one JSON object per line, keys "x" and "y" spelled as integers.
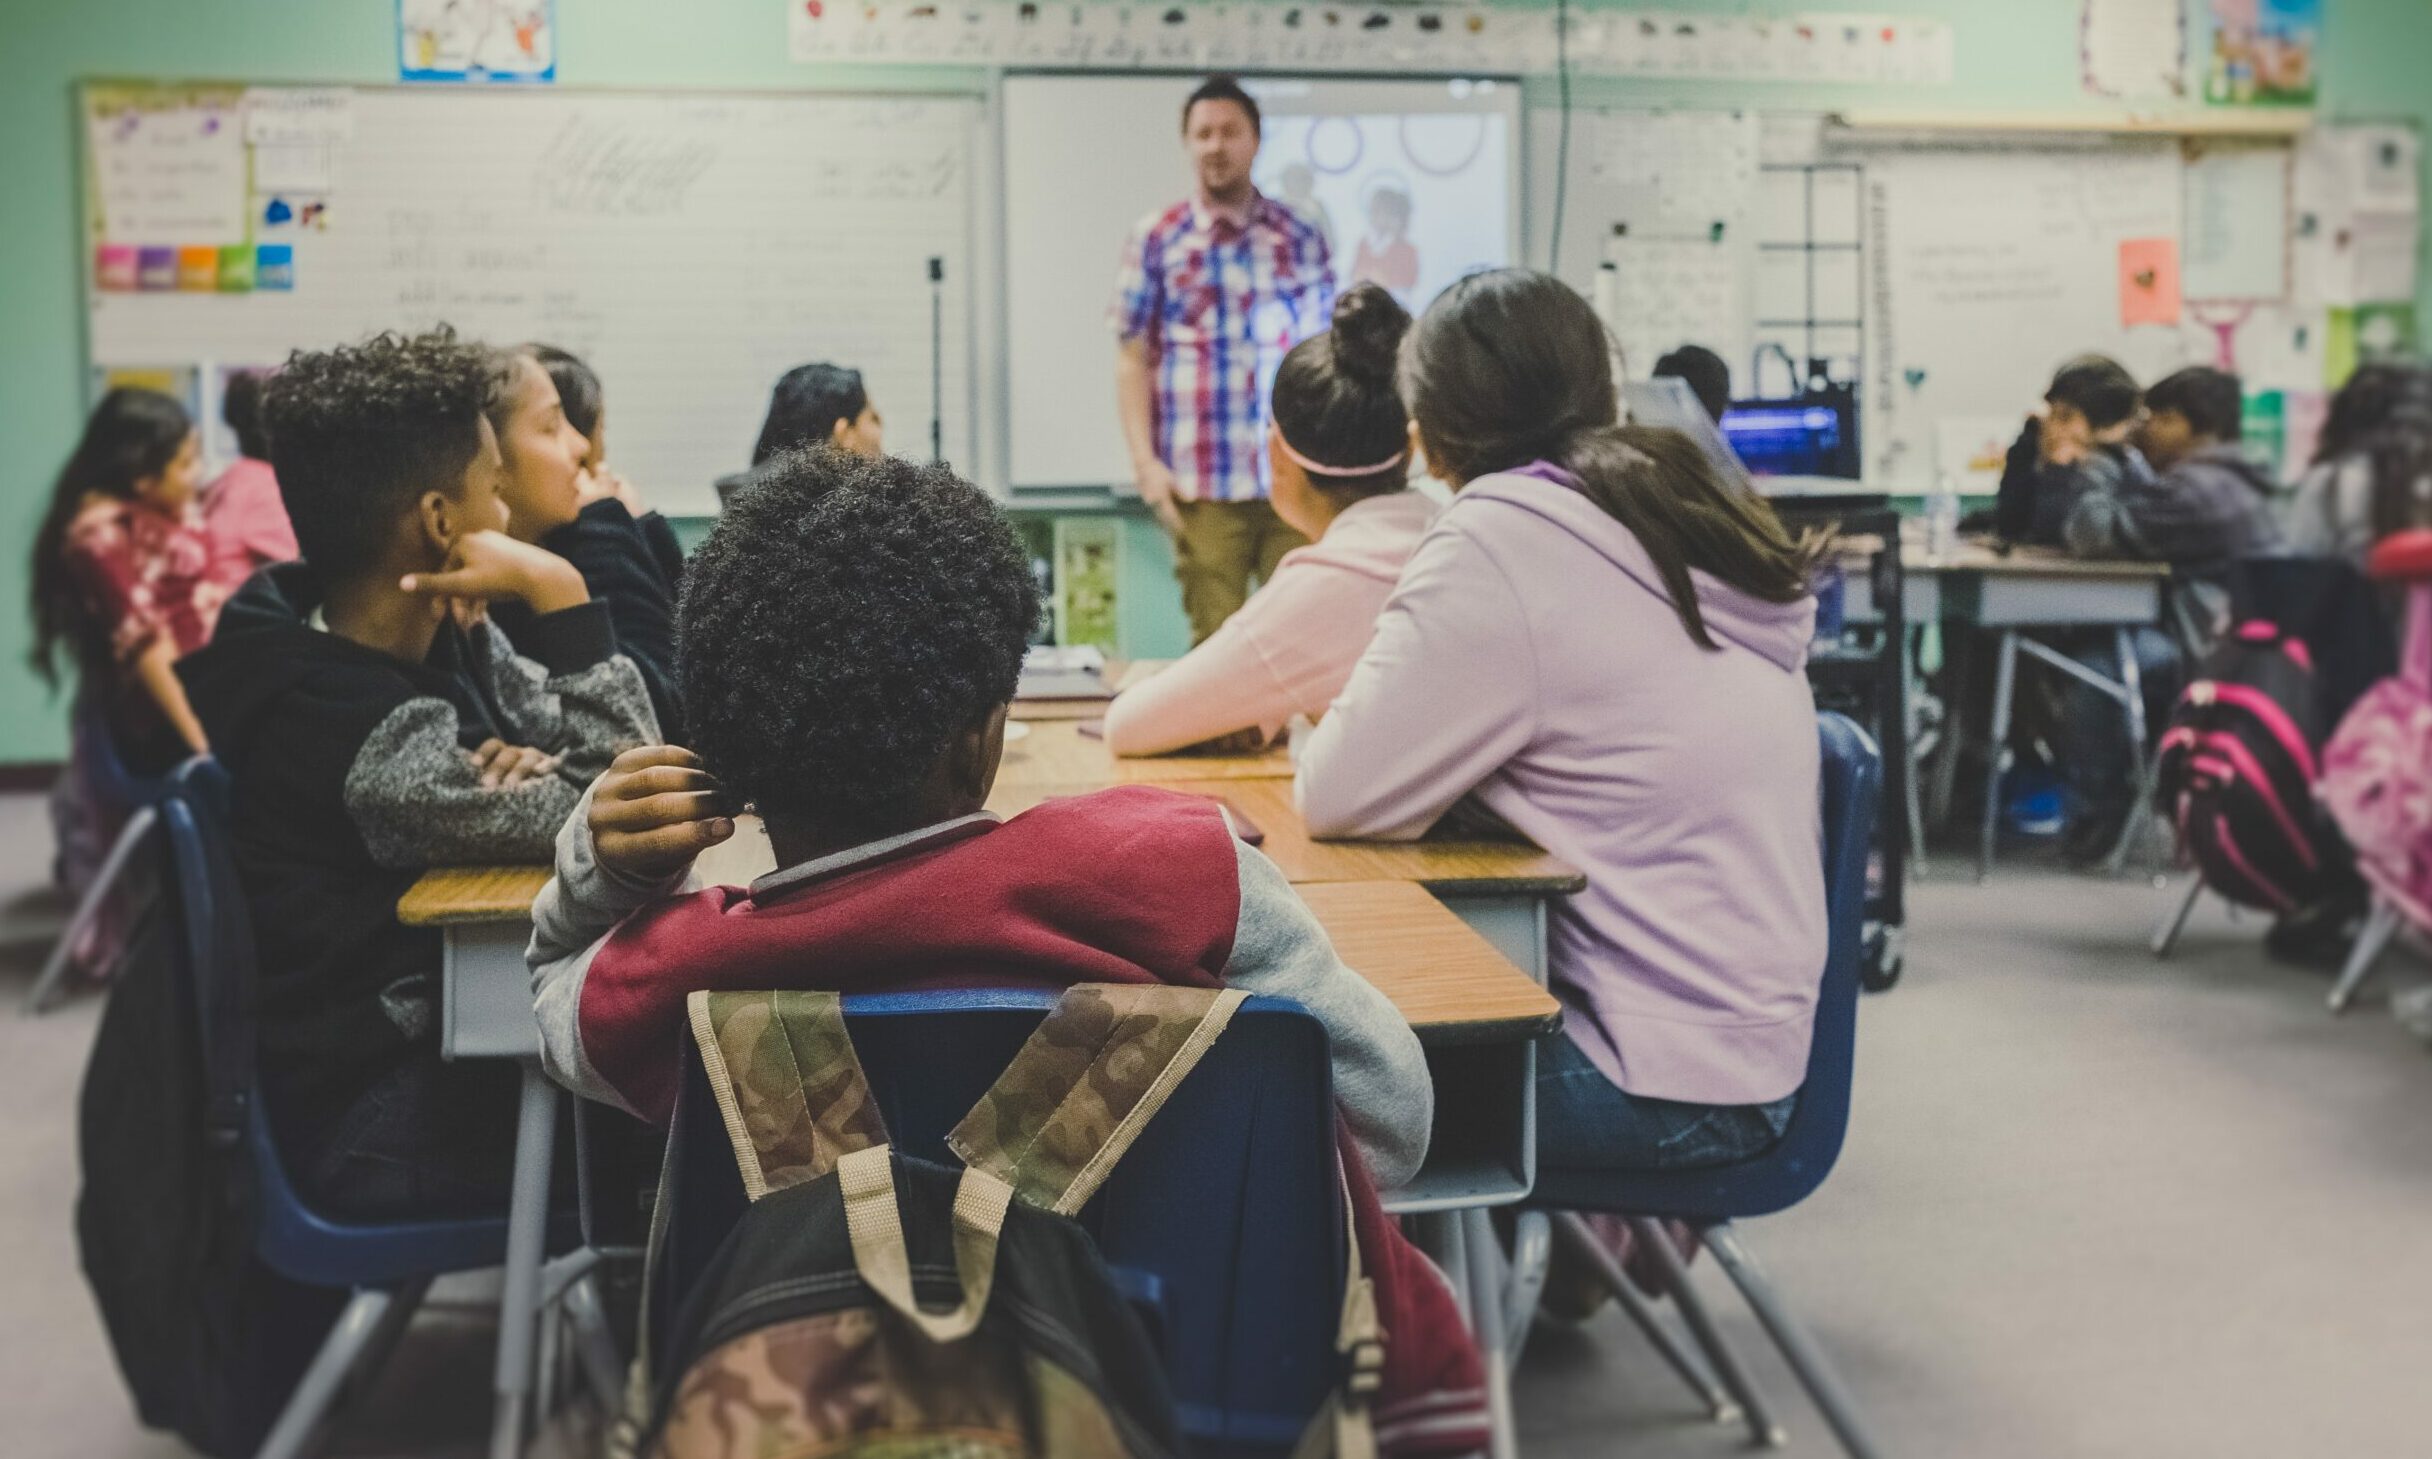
{"x": 2091, "y": 1205}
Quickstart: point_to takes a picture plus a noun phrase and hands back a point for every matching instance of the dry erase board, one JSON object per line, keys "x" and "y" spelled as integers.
{"x": 691, "y": 247}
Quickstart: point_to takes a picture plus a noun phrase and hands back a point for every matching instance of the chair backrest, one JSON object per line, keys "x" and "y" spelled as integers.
{"x": 216, "y": 937}
{"x": 1224, "y": 1223}
{"x": 99, "y": 762}
{"x": 2339, "y": 616}
{"x": 1852, "y": 792}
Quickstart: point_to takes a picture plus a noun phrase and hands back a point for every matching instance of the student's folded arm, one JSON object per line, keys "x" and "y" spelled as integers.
{"x": 1446, "y": 693}
{"x": 418, "y": 801}
{"x": 2099, "y": 526}
{"x": 1380, "y": 1075}
{"x": 1221, "y": 686}
{"x": 568, "y": 691}
{"x": 571, "y": 921}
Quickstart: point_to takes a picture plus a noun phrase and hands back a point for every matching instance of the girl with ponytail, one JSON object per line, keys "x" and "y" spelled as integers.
{"x": 1603, "y": 644}
{"x": 1340, "y": 449}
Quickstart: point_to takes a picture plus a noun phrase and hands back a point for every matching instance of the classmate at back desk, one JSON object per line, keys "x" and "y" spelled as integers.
{"x": 2079, "y": 443}
{"x": 852, "y": 633}
{"x": 2209, "y": 507}
{"x": 241, "y": 506}
{"x": 554, "y": 504}
{"x": 370, "y": 737}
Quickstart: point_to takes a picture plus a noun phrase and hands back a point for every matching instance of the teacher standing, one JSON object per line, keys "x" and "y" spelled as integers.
{"x": 1214, "y": 290}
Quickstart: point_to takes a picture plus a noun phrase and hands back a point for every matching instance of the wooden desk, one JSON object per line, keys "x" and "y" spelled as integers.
{"x": 1056, "y": 753}
{"x": 1500, "y": 888}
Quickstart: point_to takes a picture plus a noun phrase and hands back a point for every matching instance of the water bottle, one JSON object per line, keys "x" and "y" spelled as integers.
{"x": 1941, "y": 517}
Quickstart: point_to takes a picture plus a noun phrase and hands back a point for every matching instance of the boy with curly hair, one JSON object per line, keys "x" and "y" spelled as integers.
{"x": 374, "y": 725}
{"x": 850, "y": 637}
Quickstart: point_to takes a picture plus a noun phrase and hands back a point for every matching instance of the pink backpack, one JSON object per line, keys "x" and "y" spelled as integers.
{"x": 2377, "y": 769}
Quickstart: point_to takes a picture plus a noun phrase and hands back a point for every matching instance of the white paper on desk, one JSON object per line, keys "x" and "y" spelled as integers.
{"x": 2133, "y": 49}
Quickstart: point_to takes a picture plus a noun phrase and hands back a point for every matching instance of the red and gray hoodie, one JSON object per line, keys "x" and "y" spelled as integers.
{"x": 1132, "y": 885}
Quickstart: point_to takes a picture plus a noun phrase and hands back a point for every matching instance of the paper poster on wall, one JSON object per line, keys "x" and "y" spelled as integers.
{"x": 2236, "y": 230}
{"x": 2133, "y": 49}
{"x": 2364, "y": 335}
{"x": 2258, "y": 52}
{"x": 167, "y": 168}
{"x": 477, "y": 40}
{"x": 2149, "y": 281}
{"x": 181, "y": 383}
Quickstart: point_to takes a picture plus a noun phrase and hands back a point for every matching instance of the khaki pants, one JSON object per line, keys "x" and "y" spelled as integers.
{"x": 1224, "y": 544}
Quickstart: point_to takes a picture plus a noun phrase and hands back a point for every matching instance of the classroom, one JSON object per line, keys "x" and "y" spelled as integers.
{"x": 1221, "y": 727}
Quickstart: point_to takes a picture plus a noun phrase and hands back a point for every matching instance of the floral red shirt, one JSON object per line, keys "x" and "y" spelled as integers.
{"x": 145, "y": 576}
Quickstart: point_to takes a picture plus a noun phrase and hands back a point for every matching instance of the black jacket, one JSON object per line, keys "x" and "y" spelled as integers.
{"x": 350, "y": 779}
{"x": 633, "y": 565}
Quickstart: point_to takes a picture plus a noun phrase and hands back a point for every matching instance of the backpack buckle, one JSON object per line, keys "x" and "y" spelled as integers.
{"x": 1363, "y": 1367}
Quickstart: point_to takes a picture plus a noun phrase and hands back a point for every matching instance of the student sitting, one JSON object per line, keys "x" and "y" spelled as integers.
{"x": 2080, "y": 443}
{"x": 1707, "y": 377}
{"x": 371, "y": 737}
{"x": 552, "y": 503}
{"x": 1340, "y": 448}
{"x": 2210, "y": 506}
{"x": 1603, "y": 644}
{"x": 586, "y": 405}
{"x": 812, "y": 405}
{"x": 241, "y": 506}
{"x": 123, "y": 575}
{"x": 2372, "y": 471}
{"x": 853, "y": 631}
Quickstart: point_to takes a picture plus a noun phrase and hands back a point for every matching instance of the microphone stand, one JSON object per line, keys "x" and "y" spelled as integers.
{"x": 937, "y": 360}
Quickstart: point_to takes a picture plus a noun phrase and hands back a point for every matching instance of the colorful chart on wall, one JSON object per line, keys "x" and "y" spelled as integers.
{"x": 2258, "y": 52}
{"x": 477, "y": 40}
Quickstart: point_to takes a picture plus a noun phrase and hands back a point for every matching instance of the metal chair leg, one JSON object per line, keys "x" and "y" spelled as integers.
{"x": 2132, "y": 680}
{"x": 365, "y": 1332}
{"x": 2378, "y": 930}
{"x": 1580, "y": 1240}
{"x": 1763, "y": 1428}
{"x": 1997, "y": 749}
{"x": 1532, "y": 1248}
{"x": 131, "y": 838}
{"x": 1806, "y": 1359}
{"x": 595, "y": 1347}
{"x": 2174, "y": 922}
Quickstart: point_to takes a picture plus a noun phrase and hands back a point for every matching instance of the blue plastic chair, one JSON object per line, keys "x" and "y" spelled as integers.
{"x": 1223, "y": 1225}
{"x": 387, "y": 1266}
{"x": 135, "y": 800}
{"x": 1710, "y": 1200}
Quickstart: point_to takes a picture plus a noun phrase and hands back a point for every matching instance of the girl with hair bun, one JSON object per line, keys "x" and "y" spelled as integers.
{"x": 1340, "y": 449}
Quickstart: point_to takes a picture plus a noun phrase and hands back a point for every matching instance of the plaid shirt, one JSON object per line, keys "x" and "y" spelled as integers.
{"x": 1219, "y": 303}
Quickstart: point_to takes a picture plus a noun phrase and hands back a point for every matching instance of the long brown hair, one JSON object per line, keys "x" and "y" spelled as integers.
{"x": 131, "y": 434}
{"x": 1512, "y": 366}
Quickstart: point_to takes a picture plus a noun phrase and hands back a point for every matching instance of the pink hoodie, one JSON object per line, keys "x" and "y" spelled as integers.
{"x": 1531, "y": 655}
{"x": 1290, "y": 647}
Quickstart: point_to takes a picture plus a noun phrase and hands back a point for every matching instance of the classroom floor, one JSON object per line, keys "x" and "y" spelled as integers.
{"x": 2091, "y": 1205}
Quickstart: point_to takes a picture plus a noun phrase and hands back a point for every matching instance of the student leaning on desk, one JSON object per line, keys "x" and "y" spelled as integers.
{"x": 852, "y": 634}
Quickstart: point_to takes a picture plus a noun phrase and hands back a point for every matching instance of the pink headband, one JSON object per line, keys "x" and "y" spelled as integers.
{"x": 1317, "y": 469}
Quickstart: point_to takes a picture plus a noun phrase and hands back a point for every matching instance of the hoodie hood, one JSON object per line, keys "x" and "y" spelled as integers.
{"x": 1777, "y": 632}
{"x": 2227, "y": 462}
{"x": 265, "y": 657}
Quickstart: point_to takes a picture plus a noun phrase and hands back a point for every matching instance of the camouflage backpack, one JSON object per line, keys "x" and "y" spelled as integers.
{"x": 830, "y": 1321}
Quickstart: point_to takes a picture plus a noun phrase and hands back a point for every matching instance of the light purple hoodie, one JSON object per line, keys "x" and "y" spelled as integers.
{"x": 1531, "y": 654}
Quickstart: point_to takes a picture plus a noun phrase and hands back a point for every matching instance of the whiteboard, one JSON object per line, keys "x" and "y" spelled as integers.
{"x": 1989, "y": 268}
{"x": 1086, "y": 158}
{"x": 691, "y": 248}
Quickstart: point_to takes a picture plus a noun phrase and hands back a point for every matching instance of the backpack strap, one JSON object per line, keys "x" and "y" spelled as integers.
{"x": 787, "y": 1082}
{"x": 1343, "y": 1427}
{"x": 1085, "y": 1084}
{"x": 875, "y": 1224}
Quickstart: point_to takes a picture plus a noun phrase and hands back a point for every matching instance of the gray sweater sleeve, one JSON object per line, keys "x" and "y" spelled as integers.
{"x": 577, "y": 909}
{"x": 1380, "y": 1074}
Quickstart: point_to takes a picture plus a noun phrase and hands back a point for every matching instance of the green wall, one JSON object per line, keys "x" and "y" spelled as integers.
{"x": 2011, "y": 54}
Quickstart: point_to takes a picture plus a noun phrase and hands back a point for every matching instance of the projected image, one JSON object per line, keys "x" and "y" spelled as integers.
{"x": 1409, "y": 201}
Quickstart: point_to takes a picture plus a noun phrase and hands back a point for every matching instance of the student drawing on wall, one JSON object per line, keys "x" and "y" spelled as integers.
{"x": 1299, "y": 187}
{"x": 1386, "y": 255}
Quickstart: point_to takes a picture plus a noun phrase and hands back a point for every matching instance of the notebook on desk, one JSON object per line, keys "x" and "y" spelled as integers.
{"x": 1050, "y": 672}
